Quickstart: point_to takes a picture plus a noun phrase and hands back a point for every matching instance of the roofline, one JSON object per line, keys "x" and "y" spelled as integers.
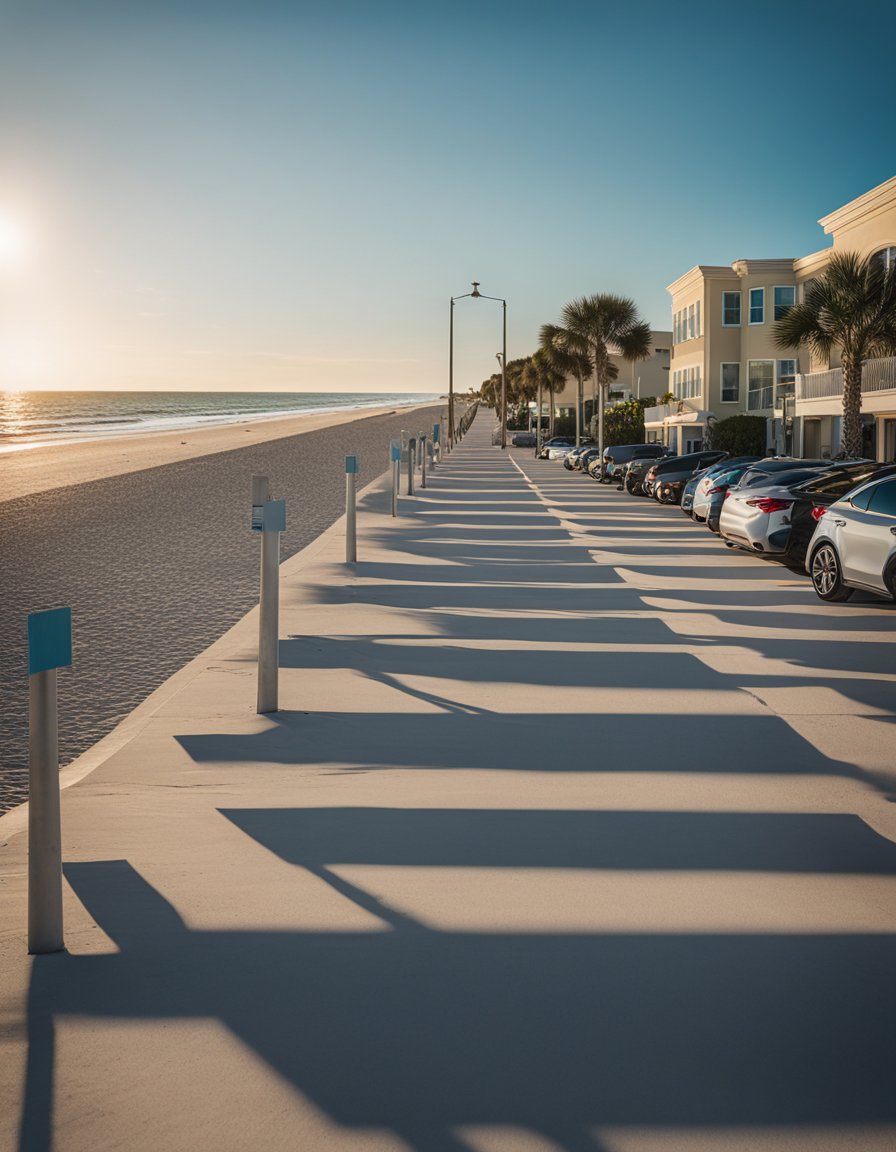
{"x": 867, "y": 204}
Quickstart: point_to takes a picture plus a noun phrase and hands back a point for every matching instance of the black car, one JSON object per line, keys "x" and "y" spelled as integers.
{"x": 616, "y": 456}
{"x": 635, "y": 474}
{"x": 666, "y": 479}
{"x": 812, "y": 498}
{"x": 523, "y": 440}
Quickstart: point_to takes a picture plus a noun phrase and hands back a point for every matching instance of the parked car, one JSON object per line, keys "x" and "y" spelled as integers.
{"x": 555, "y": 444}
{"x": 854, "y": 544}
{"x": 757, "y": 518}
{"x": 635, "y": 474}
{"x": 523, "y": 439}
{"x": 584, "y": 458}
{"x": 687, "y": 494}
{"x": 667, "y": 478}
{"x": 710, "y": 497}
{"x": 815, "y": 496}
{"x": 617, "y": 456}
{"x": 707, "y": 480}
{"x": 573, "y": 459}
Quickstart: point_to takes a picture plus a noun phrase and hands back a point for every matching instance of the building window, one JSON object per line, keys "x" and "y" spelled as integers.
{"x": 730, "y": 383}
{"x": 885, "y": 258}
{"x": 699, "y": 331}
{"x": 691, "y": 332}
{"x": 760, "y": 384}
{"x": 785, "y": 298}
{"x": 731, "y": 309}
{"x": 687, "y": 383}
{"x": 757, "y": 305}
{"x": 786, "y": 371}
{"x": 676, "y": 332}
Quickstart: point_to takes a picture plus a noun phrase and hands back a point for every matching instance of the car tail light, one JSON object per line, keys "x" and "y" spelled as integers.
{"x": 651, "y": 474}
{"x": 716, "y": 491}
{"x": 817, "y": 513}
{"x": 728, "y": 493}
{"x": 769, "y": 504}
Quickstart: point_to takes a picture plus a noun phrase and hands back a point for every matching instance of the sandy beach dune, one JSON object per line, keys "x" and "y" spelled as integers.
{"x": 149, "y": 542}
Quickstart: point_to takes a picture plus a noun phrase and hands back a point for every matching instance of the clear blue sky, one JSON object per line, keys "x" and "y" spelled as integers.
{"x": 285, "y": 195}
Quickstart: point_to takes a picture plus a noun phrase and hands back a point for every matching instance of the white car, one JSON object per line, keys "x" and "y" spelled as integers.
{"x": 758, "y": 517}
{"x": 854, "y": 545}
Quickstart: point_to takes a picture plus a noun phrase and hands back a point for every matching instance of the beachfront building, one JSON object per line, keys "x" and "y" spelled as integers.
{"x": 724, "y": 360}
{"x": 866, "y": 226}
{"x": 643, "y": 378}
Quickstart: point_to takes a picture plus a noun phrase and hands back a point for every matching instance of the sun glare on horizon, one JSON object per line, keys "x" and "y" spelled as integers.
{"x": 13, "y": 241}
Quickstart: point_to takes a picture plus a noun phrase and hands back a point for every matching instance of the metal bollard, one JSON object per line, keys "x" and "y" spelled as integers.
{"x": 49, "y": 648}
{"x": 268, "y": 518}
{"x": 395, "y": 457}
{"x": 423, "y": 461}
{"x": 351, "y": 534}
{"x": 436, "y": 445}
{"x": 412, "y": 451}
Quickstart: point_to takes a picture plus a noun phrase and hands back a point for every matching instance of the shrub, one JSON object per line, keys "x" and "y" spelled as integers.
{"x": 739, "y": 435}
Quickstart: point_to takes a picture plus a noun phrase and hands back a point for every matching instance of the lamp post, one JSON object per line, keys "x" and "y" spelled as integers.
{"x": 475, "y": 295}
{"x": 499, "y": 356}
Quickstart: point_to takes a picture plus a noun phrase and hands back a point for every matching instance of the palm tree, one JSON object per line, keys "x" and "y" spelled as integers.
{"x": 565, "y": 353}
{"x": 852, "y": 306}
{"x": 542, "y": 373}
{"x": 599, "y": 323}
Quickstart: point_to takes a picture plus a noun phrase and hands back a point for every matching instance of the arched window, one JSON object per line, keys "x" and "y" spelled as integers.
{"x": 885, "y": 258}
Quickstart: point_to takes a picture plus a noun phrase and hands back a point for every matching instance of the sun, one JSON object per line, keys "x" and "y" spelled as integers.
{"x": 13, "y": 241}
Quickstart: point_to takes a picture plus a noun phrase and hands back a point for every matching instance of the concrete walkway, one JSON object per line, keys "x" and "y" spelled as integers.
{"x": 575, "y": 833}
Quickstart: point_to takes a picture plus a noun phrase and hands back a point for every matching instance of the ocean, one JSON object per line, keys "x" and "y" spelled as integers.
{"x": 32, "y": 419}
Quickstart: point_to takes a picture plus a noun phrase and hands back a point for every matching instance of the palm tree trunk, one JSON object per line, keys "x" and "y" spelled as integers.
{"x": 551, "y": 414}
{"x": 851, "y": 437}
{"x": 578, "y": 411}
{"x": 540, "y": 410}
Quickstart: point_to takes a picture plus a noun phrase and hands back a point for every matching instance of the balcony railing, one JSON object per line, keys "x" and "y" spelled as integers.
{"x": 877, "y": 376}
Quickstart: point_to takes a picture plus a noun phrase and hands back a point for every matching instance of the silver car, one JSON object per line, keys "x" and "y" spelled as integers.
{"x": 758, "y": 517}
{"x": 854, "y": 545}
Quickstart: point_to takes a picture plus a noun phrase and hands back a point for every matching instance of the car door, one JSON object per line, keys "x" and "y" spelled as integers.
{"x": 868, "y": 537}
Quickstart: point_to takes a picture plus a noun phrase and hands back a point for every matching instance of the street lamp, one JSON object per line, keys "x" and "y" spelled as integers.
{"x": 499, "y": 356}
{"x": 475, "y": 295}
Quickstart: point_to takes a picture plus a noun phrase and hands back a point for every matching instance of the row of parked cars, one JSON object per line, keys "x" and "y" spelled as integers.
{"x": 834, "y": 518}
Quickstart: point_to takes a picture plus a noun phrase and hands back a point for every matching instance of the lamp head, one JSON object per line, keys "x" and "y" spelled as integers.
{"x": 499, "y": 356}
{"x": 475, "y": 291}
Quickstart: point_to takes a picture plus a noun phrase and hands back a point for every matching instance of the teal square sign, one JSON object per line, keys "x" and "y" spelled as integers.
{"x": 49, "y": 640}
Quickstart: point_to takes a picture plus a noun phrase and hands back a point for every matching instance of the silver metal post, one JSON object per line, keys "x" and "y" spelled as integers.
{"x": 396, "y": 466}
{"x": 351, "y": 539}
{"x": 423, "y": 461}
{"x": 412, "y": 463}
{"x": 44, "y": 822}
{"x": 273, "y": 521}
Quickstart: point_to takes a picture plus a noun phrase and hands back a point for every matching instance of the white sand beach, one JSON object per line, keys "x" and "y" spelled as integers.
{"x": 32, "y": 470}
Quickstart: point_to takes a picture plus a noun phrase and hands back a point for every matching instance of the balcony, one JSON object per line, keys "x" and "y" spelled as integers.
{"x": 877, "y": 376}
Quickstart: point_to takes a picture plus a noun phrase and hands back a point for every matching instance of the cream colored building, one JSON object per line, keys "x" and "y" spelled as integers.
{"x": 866, "y": 226}
{"x": 725, "y": 361}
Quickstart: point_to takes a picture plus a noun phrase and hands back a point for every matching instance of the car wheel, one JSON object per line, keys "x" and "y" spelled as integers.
{"x": 827, "y": 578}
{"x": 890, "y": 578}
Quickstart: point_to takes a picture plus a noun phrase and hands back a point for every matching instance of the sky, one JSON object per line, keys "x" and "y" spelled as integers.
{"x": 285, "y": 196}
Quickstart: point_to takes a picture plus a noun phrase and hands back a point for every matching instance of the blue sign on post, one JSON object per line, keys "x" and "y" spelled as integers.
{"x": 274, "y": 516}
{"x": 396, "y": 452}
{"x": 49, "y": 640}
{"x": 351, "y": 465}
{"x": 435, "y": 433}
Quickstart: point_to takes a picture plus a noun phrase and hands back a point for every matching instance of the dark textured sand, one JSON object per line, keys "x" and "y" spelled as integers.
{"x": 156, "y": 565}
